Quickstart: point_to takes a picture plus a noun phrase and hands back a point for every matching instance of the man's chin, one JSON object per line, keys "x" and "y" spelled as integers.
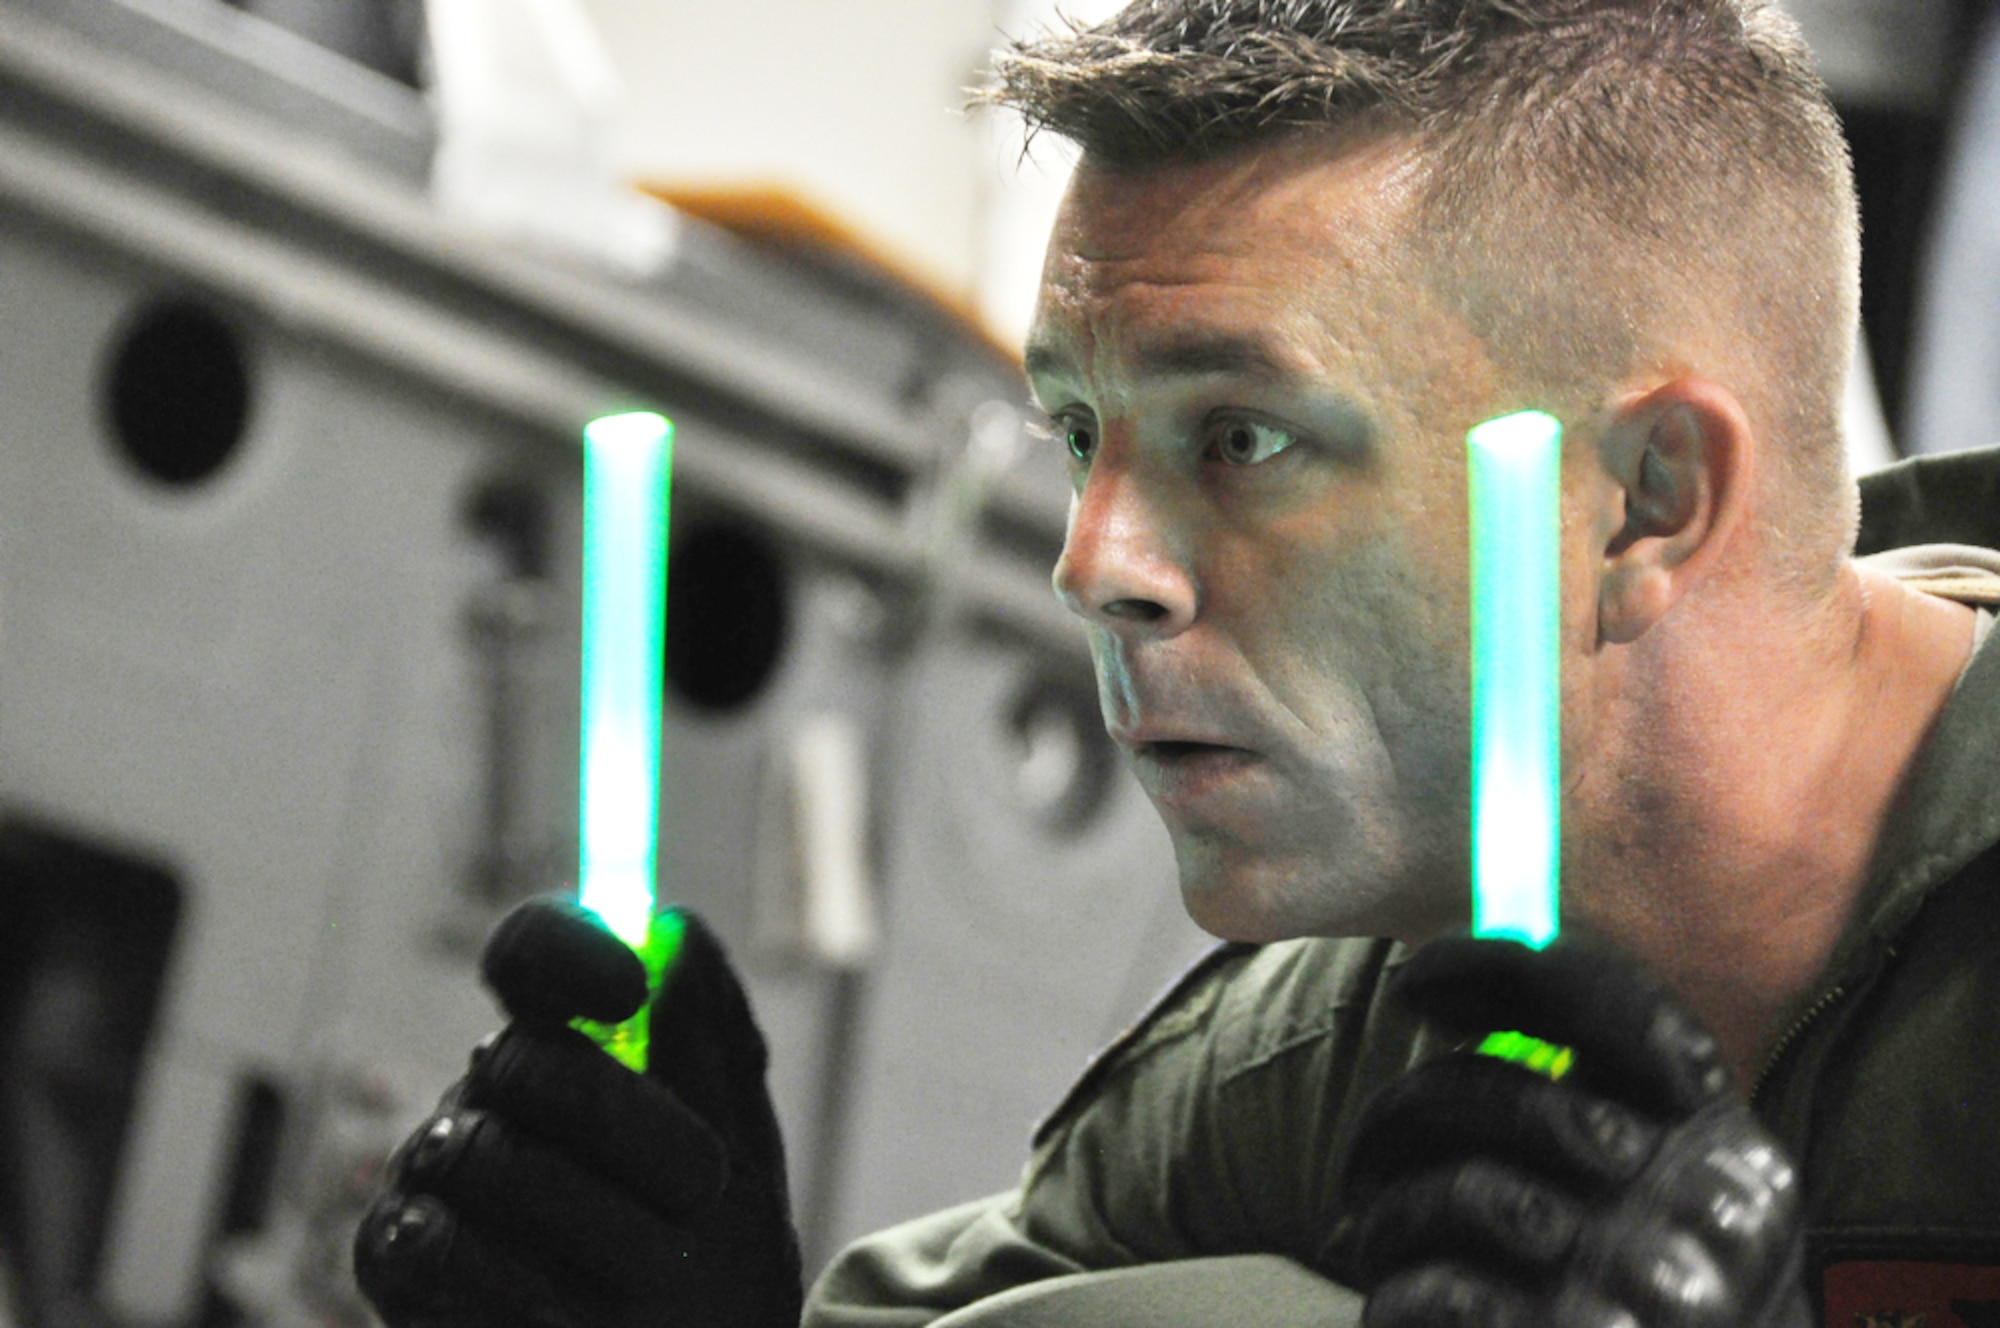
{"x": 1234, "y": 923}
{"x": 1256, "y": 911}
{"x": 1279, "y": 905}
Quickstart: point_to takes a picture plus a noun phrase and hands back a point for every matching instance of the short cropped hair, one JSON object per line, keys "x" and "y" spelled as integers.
{"x": 1606, "y": 178}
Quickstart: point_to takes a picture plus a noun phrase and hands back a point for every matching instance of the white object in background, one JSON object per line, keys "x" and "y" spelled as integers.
{"x": 1869, "y": 443}
{"x": 175, "y": 1154}
{"x": 815, "y": 887}
{"x": 525, "y": 98}
{"x": 1954, "y": 397}
{"x": 1021, "y": 190}
{"x": 1880, "y": 53}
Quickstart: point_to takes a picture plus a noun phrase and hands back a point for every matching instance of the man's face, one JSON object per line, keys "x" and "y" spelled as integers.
{"x": 1265, "y": 411}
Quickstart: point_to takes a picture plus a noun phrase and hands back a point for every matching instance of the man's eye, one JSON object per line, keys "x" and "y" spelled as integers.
{"x": 1079, "y": 437}
{"x": 1246, "y": 442}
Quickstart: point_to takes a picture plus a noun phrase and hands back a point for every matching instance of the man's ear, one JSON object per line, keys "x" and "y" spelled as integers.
{"x": 1678, "y": 462}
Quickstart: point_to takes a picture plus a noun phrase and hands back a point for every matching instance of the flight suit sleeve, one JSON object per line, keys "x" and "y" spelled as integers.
{"x": 974, "y": 1257}
{"x": 914, "y": 1274}
{"x": 1187, "y": 1169}
{"x": 1063, "y": 1219}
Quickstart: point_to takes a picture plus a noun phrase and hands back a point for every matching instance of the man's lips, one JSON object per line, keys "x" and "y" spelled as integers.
{"x": 1179, "y": 749}
{"x": 1181, "y": 771}
{"x": 1167, "y": 737}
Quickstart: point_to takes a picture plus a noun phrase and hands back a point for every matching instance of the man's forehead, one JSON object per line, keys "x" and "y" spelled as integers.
{"x": 1298, "y": 271}
{"x": 1256, "y": 265}
{"x": 1288, "y": 184}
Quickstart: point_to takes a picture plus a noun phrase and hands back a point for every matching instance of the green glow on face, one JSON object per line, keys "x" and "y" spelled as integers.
{"x": 1544, "y": 1058}
{"x": 1514, "y": 467}
{"x": 627, "y": 469}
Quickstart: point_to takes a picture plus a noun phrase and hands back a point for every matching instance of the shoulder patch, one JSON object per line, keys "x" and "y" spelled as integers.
{"x": 1160, "y": 1020}
{"x": 1909, "y": 1294}
{"x": 1923, "y": 1278}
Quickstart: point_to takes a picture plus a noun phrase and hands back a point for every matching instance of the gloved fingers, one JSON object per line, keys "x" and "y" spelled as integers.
{"x": 1459, "y": 1295}
{"x": 1662, "y": 1273}
{"x": 554, "y": 1084}
{"x": 530, "y": 1199}
{"x": 1729, "y": 1183}
{"x": 706, "y": 1047}
{"x": 1633, "y": 1040}
{"x": 1489, "y": 1214}
{"x": 551, "y": 960}
{"x": 422, "y": 1268}
{"x": 1462, "y": 1106}
{"x": 1449, "y": 1295}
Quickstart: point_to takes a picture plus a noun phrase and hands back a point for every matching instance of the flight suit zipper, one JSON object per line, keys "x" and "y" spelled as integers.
{"x": 1792, "y": 1035}
{"x": 1826, "y": 1001}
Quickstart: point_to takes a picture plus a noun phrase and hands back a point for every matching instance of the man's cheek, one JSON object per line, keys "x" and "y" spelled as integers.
{"x": 1115, "y": 700}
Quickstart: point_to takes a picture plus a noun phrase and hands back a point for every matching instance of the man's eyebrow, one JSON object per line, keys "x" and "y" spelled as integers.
{"x": 1200, "y": 354}
{"x": 1189, "y": 355}
{"x": 1042, "y": 361}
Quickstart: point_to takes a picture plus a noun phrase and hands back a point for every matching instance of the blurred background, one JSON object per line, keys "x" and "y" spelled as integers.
{"x": 303, "y": 307}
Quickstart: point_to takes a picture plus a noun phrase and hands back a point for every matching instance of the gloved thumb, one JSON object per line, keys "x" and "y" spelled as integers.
{"x": 551, "y": 961}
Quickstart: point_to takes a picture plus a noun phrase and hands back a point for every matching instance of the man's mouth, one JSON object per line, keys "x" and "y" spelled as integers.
{"x": 1181, "y": 773}
{"x": 1177, "y": 750}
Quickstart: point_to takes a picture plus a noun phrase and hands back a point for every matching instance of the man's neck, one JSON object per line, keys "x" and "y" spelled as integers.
{"x": 1753, "y": 809}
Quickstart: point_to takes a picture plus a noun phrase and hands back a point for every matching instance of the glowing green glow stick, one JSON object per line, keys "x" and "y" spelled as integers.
{"x": 1514, "y": 477}
{"x": 627, "y": 479}
{"x": 1514, "y": 470}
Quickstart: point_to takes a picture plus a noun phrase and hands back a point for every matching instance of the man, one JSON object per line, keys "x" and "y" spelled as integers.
{"x": 1310, "y": 245}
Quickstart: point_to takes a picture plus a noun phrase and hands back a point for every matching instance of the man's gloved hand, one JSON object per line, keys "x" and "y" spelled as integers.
{"x": 555, "y": 1187}
{"x": 1637, "y": 1191}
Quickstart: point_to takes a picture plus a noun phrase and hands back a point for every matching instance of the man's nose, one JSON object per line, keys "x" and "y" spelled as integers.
{"x": 1123, "y": 564}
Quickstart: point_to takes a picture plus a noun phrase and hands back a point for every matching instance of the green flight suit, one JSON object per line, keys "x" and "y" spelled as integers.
{"x": 1190, "y": 1177}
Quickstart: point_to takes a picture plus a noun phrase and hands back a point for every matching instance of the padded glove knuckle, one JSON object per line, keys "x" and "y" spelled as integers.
{"x": 1580, "y": 1306}
{"x": 400, "y": 1255}
{"x": 1617, "y": 1141}
{"x": 432, "y": 1156}
{"x": 1676, "y": 1041}
{"x": 1732, "y": 1186}
{"x": 1663, "y": 1273}
{"x": 1709, "y": 1234}
{"x": 422, "y": 1267}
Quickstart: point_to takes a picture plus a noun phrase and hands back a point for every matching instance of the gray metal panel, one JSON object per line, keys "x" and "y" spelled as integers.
{"x": 343, "y": 256}
{"x": 212, "y": 676}
{"x": 1014, "y": 949}
{"x": 267, "y": 681}
{"x": 265, "y": 70}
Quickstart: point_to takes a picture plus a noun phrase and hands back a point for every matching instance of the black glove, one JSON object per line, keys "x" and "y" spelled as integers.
{"x": 556, "y": 1187}
{"x": 1637, "y": 1191}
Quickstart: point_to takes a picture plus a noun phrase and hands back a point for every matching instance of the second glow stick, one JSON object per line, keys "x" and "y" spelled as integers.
{"x": 1514, "y": 477}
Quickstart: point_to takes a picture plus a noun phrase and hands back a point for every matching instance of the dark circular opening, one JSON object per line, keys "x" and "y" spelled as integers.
{"x": 726, "y": 616}
{"x": 178, "y": 395}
